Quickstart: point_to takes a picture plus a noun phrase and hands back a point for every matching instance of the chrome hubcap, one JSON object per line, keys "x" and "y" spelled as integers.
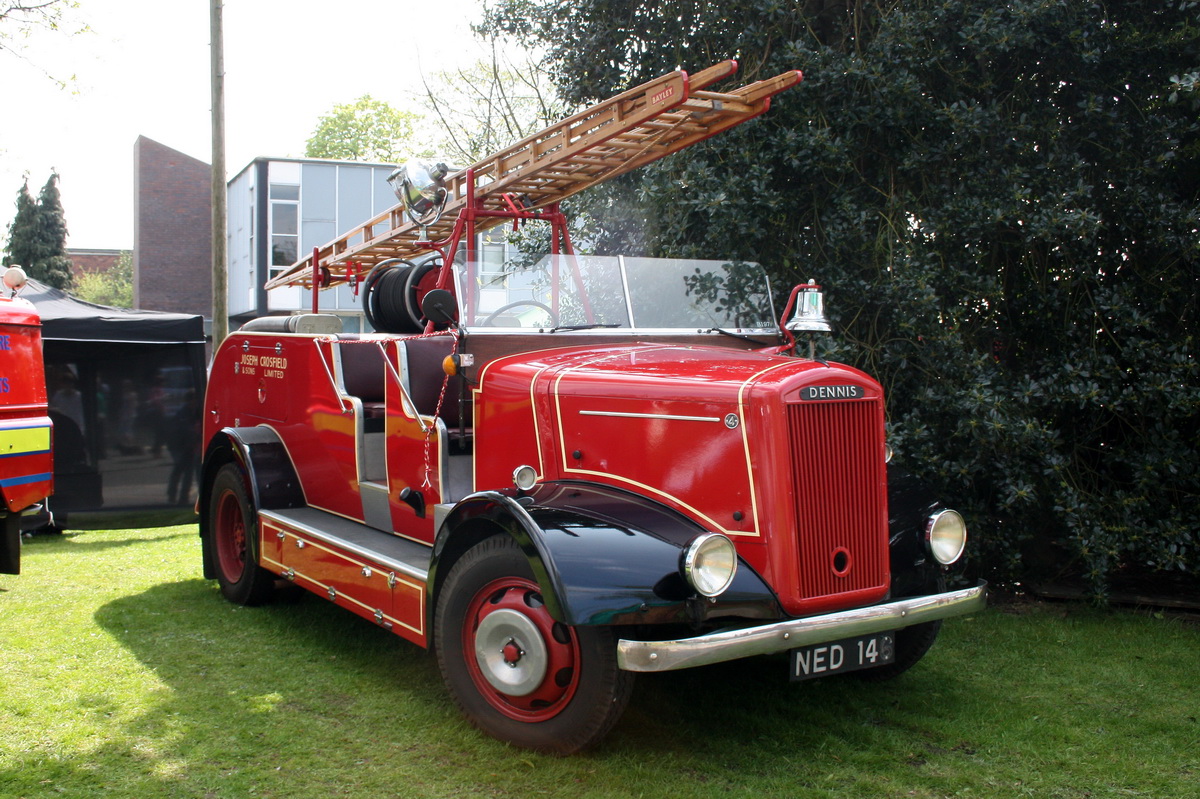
{"x": 510, "y": 652}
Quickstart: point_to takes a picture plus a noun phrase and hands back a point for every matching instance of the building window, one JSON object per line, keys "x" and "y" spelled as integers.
{"x": 284, "y": 193}
{"x": 498, "y": 286}
{"x": 252, "y": 229}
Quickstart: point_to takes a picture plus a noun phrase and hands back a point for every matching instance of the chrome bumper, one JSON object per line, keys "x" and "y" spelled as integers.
{"x": 769, "y": 638}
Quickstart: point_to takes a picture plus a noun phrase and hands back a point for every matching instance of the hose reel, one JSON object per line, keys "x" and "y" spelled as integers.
{"x": 392, "y": 294}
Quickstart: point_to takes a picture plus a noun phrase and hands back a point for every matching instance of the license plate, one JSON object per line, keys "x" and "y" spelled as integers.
{"x": 839, "y": 657}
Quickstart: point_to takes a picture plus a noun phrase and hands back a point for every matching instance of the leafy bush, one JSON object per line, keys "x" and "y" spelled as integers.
{"x": 1002, "y": 201}
{"x": 112, "y": 287}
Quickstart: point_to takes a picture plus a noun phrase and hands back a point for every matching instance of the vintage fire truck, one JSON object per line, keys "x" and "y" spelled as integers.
{"x": 560, "y": 471}
{"x": 26, "y": 433}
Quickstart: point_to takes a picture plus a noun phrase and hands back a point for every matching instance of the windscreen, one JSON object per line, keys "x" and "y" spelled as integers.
{"x": 578, "y": 292}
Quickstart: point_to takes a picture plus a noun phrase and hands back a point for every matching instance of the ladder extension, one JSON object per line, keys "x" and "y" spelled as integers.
{"x": 597, "y": 144}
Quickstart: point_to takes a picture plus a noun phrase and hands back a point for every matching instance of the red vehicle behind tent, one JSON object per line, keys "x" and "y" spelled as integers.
{"x": 26, "y": 433}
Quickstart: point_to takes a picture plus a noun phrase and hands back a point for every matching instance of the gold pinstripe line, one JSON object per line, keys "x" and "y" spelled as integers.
{"x": 283, "y": 567}
{"x": 650, "y": 489}
{"x": 746, "y": 439}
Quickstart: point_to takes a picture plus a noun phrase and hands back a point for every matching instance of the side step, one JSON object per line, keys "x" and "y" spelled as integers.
{"x": 378, "y": 576}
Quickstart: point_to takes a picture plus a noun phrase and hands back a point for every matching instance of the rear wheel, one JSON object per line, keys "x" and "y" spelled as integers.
{"x": 514, "y": 671}
{"x": 233, "y": 540}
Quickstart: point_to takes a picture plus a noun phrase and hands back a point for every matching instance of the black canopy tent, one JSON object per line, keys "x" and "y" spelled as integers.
{"x": 125, "y": 388}
{"x": 67, "y": 318}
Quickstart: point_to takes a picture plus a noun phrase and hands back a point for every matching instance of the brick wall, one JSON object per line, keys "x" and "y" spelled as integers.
{"x": 91, "y": 261}
{"x": 172, "y": 252}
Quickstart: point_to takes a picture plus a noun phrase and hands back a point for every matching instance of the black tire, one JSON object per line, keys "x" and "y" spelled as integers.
{"x": 546, "y": 686}
{"x": 911, "y": 642}
{"x": 233, "y": 540}
{"x": 911, "y": 645}
{"x": 10, "y": 544}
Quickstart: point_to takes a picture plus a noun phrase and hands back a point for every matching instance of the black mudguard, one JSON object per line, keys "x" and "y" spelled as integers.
{"x": 910, "y": 506}
{"x": 603, "y": 556}
{"x": 271, "y": 478}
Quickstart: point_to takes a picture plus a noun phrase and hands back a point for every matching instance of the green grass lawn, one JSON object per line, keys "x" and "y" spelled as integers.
{"x": 124, "y": 674}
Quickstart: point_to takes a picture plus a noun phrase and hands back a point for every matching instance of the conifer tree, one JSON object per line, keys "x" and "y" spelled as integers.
{"x": 21, "y": 239}
{"x": 54, "y": 267}
{"x": 37, "y": 236}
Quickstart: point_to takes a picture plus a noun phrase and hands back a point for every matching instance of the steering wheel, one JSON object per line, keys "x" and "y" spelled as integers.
{"x": 518, "y": 303}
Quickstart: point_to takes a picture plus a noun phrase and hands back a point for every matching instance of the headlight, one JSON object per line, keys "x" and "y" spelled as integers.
{"x": 945, "y": 536}
{"x": 709, "y": 563}
{"x": 524, "y": 477}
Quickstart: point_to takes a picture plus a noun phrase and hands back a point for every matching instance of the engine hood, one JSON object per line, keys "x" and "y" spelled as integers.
{"x": 659, "y": 375}
{"x": 689, "y": 426}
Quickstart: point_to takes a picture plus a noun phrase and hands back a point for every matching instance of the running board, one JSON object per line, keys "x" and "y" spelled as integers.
{"x": 376, "y": 575}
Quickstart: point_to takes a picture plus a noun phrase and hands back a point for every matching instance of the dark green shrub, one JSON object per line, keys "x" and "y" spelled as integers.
{"x": 1002, "y": 199}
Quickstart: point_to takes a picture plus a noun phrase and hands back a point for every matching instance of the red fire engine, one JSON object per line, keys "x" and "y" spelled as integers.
{"x": 564, "y": 470}
{"x": 26, "y": 469}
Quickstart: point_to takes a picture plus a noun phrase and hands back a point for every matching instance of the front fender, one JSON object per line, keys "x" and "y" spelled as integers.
{"x": 603, "y": 556}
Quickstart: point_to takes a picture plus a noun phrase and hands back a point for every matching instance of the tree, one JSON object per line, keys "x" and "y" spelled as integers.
{"x": 37, "y": 237}
{"x": 22, "y": 239}
{"x": 365, "y": 130}
{"x": 1002, "y": 199}
{"x": 112, "y": 287}
{"x": 54, "y": 268}
{"x": 481, "y": 109}
{"x": 21, "y": 18}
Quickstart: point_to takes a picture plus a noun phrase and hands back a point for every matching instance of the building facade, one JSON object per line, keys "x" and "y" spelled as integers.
{"x": 279, "y": 210}
{"x": 172, "y": 230}
{"x": 91, "y": 261}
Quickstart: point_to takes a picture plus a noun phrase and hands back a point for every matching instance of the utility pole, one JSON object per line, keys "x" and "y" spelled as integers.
{"x": 220, "y": 274}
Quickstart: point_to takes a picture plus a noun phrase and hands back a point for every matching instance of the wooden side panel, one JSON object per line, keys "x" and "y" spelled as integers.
{"x": 393, "y": 601}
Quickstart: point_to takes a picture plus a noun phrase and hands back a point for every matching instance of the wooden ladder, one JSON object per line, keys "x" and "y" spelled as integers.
{"x": 597, "y": 144}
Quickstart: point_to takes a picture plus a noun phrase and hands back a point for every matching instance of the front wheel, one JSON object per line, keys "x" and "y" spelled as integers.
{"x": 911, "y": 642}
{"x": 233, "y": 540}
{"x": 514, "y": 671}
{"x": 911, "y": 645}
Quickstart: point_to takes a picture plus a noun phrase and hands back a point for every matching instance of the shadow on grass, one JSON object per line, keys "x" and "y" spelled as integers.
{"x": 750, "y": 707}
{"x": 293, "y": 696}
{"x": 302, "y": 634}
{"x": 83, "y": 541}
{"x": 300, "y": 697}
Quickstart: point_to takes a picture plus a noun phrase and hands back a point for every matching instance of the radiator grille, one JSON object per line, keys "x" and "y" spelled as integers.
{"x": 841, "y": 517}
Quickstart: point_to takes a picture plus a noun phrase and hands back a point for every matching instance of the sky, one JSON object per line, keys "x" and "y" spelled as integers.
{"x": 143, "y": 69}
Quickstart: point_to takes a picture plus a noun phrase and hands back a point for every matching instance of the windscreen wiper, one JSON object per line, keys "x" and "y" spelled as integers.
{"x": 569, "y": 328}
{"x": 731, "y": 334}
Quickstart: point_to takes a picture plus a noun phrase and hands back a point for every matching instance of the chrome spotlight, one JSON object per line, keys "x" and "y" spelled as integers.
{"x": 422, "y": 189}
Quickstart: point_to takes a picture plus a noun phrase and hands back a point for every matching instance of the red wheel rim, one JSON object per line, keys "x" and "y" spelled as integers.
{"x": 231, "y": 536}
{"x": 508, "y": 628}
